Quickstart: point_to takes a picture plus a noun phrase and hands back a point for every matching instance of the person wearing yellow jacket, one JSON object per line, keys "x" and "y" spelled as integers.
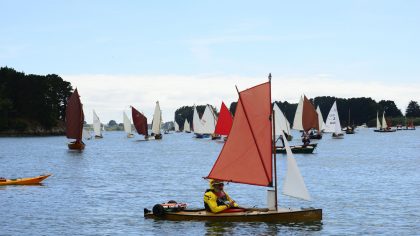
{"x": 216, "y": 199}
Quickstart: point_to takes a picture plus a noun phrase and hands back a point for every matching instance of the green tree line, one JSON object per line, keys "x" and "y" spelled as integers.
{"x": 28, "y": 100}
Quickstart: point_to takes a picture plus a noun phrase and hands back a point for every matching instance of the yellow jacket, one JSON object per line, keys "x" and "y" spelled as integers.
{"x": 215, "y": 205}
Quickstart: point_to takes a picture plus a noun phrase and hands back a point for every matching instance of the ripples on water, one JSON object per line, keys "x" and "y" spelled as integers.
{"x": 367, "y": 183}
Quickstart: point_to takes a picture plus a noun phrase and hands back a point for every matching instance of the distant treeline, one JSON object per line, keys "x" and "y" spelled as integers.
{"x": 30, "y": 101}
{"x": 351, "y": 111}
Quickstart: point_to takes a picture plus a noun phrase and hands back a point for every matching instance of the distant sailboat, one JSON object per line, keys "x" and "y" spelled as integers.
{"x": 332, "y": 125}
{"x": 187, "y": 128}
{"x": 157, "y": 122}
{"x": 127, "y": 126}
{"x": 306, "y": 118}
{"x": 74, "y": 121}
{"x": 97, "y": 126}
{"x": 281, "y": 122}
{"x": 383, "y": 128}
{"x": 349, "y": 128}
{"x": 209, "y": 121}
{"x": 224, "y": 122}
{"x": 86, "y": 134}
{"x": 140, "y": 122}
{"x": 176, "y": 127}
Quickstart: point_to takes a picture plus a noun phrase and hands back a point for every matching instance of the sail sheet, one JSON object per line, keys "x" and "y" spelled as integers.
{"x": 333, "y": 121}
{"x": 282, "y": 124}
{"x": 187, "y": 127}
{"x": 294, "y": 185}
{"x": 157, "y": 119}
{"x": 197, "y": 125}
{"x": 297, "y": 121}
{"x": 127, "y": 123}
{"x": 246, "y": 156}
{"x": 378, "y": 124}
{"x": 309, "y": 116}
{"x": 320, "y": 119}
{"x": 224, "y": 122}
{"x": 208, "y": 121}
{"x": 96, "y": 124}
{"x": 74, "y": 116}
{"x": 140, "y": 121}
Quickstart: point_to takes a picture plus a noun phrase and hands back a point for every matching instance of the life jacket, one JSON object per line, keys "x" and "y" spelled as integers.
{"x": 220, "y": 200}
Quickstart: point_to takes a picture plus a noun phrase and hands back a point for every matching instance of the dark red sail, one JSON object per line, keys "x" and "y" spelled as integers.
{"x": 74, "y": 117}
{"x": 140, "y": 121}
{"x": 224, "y": 122}
{"x": 309, "y": 116}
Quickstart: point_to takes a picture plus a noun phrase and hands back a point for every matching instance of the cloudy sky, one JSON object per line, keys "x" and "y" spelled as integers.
{"x": 121, "y": 53}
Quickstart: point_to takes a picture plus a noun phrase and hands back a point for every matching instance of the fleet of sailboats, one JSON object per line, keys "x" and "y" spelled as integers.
{"x": 382, "y": 128}
{"x": 205, "y": 126}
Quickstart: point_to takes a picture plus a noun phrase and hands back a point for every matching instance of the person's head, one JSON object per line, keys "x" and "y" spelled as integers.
{"x": 217, "y": 185}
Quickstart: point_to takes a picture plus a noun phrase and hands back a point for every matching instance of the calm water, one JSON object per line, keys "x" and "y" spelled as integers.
{"x": 367, "y": 183}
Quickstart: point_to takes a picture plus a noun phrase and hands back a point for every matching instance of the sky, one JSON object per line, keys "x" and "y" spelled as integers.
{"x": 122, "y": 53}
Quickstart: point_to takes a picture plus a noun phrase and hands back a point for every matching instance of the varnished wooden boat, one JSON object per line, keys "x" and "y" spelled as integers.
{"x": 298, "y": 149}
{"x": 76, "y": 146}
{"x": 24, "y": 181}
{"x": 283, "y": 215}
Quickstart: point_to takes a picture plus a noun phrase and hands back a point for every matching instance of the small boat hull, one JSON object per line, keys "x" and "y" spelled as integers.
{"x": 130, "y": 135}
{"x": 24, "y": 181}
{"x": 285, "y": 215}
{"x": 298, "y": 149}
{"x": 315, "y": 136}
{"x": 384, "y": 130}
{"x": 76, "y": 146}
{"x": 158, "y": 136}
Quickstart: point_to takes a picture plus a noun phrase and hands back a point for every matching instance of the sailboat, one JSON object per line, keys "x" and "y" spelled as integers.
{"x": 410, "y": 125}
{"x": 320, "y": 119}
{"x": 74, "y": 121}
{"x": 282, "y": 124}
{"x": 306, "y": 119}
{"x": 382, "y": 128}
{"x": 187, "y": 128}
{"x": 97, "y": 126}
{"x": 349, "y": 128}
{"x": 205, "y": 126}
{"x": 140, "y": 122}
{"x": 86, "y": 134}
{"x": 176, "y": 127}
{"x": 224, "y": 122}
{"x": 332, "y": 125}
{"x": 253, "y": 165}
{"x": 127, "y": 125}
{"x": 157, "y": 122}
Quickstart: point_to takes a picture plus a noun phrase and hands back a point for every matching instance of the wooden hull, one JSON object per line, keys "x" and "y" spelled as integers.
{"x": 76, "y": 146}
{"x": 158, "y": 136}
{"x": 384, "y": 131}
{"x": 24, "y": 181}
{"x": 285, "y": 215}
{"x": 98, "y": 137}
{"x": 298, "y": 149}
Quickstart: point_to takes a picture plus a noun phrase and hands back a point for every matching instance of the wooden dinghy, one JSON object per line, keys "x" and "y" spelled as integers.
{"x": 24, "y": 181}
{"x": 308, "y": 149}
{"x": 282, "y": 215}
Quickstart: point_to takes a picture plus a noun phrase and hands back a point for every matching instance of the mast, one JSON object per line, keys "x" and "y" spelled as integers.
{"x": 274, "y": 148}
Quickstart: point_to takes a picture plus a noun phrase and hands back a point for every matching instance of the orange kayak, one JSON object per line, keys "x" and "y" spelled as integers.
{"x": 24, "y": 181}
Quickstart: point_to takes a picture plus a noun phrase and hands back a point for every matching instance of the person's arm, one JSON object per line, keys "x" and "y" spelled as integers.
{"x": 211, "y": 201}
{"x": 231, "y": 200}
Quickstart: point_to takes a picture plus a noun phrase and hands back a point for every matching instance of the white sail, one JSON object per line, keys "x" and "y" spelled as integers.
{"x": 86, "y": 134}
{"x": 320, "y": 119}
{"x": 378, "y": 124}
{"x": 127, "y": 123}
{"x": 294, "y": 185}
{"x": 157, "y": 119}
{"x": 332, "y": 123}
{"x": 96, "y": 124}
{"x": 197, "y": 124}
{"x": 187, "y": 127}
{"x": 208, "y": 121}
{"x": 176, "y": 126}
{"x": 384, "y": 125}
{"x": 281, "y": 122}
{"x": 297, "y": 121}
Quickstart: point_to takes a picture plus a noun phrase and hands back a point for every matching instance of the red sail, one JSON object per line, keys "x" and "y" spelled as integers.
{"x": 224, "y": 122}
{"x": 74, "y": 117}
{"x": 140, "y": 121}
{"x": 246, "y": 156}
{"x": 309, "y": 116}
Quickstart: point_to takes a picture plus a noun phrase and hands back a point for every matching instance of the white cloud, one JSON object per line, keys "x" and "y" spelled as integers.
{"x": 109, "y": 95}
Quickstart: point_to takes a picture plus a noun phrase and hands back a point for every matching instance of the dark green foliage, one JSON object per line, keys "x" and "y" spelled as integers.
{"x": 232, "y": 108}
{"x": 112, "y": 123}
{"x": 27, "y": 100}
{"x": 413, "y": 109}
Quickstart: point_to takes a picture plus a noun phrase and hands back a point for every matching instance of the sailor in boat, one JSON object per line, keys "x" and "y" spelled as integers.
{"x": 216, "y": 199}
{"x": 305, "y": 139}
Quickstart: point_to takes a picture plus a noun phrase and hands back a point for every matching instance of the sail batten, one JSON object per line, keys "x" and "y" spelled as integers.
{"x": 246, "y": 156}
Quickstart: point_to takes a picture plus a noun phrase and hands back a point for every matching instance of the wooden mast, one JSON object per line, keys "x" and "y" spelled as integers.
{"x": 274, "y": 148}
